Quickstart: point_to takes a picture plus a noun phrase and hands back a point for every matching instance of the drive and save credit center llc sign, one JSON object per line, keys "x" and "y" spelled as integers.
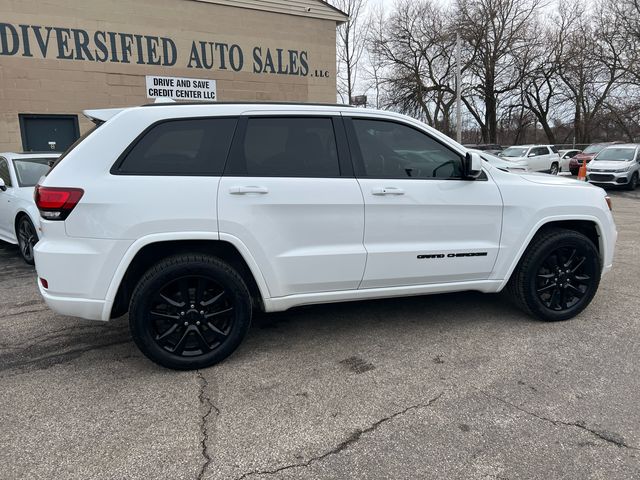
{"x": 178, "y": 88}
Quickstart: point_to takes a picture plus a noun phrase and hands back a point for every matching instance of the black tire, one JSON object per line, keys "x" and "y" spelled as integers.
{"x": 541, "y": 290}
{"x": 27, "y": 239}
{"x": 633, "y": 182}
{"x": 574, "y": 171}
{"x": 170, "y": 331}
{"x": 554, "y": 169}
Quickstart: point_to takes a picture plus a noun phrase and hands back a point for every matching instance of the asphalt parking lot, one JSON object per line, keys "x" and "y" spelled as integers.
{"x": 446, "y": 386}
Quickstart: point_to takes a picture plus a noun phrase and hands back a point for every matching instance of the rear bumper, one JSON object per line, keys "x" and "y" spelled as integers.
{"x": 74, "y": 307}
{"x": 78, "y": 271}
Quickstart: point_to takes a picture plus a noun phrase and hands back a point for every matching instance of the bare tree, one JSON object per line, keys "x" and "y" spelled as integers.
{"x": 416, "y": 46}
{"x": 351, "y": 42}
{"x": 375, "y": 65}
{"x": 497, "y": 31}
{"x": 590, "y": 62}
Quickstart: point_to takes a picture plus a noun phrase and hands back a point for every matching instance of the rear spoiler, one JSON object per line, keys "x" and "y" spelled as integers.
{"x": 99, "y": 116}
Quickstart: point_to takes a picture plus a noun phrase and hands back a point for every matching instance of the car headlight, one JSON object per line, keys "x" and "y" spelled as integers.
{"x": 622, "y": 170}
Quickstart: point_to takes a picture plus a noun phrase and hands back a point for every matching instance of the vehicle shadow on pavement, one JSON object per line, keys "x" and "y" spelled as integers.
{"x": 43, "y": 339}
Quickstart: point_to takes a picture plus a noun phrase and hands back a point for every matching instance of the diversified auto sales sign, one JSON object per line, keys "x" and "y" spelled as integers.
{"x": 131, "y": 48}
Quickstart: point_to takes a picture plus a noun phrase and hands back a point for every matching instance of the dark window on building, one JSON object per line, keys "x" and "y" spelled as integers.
{"x": 289, "y": 147}
{"x": 392, "y": 150}
{"x": 48, "y": 132}
{"x": 181, "y": 147}
{"x": 4, "y": 172}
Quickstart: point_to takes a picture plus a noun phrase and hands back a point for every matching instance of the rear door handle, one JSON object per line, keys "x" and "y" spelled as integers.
{"x": 387, "y": 191}
{"x": 248, "y": 189}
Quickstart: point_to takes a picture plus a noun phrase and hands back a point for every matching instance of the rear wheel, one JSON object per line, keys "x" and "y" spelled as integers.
{"x": 554, "y": 169}
{"x": 633, "y": 182}
{"x": 557, "y": 276}
{"x": 27, "y": 239}
{"x": 189, "y": 312}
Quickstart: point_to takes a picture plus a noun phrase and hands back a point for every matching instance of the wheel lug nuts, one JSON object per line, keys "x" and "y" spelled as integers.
{"x": 197, "y": 323}
{"x": 201, "y": 312}
{"x": 186, "y": 324}
{"x": 182, "y": 314}
{"x": 193, "y": 306}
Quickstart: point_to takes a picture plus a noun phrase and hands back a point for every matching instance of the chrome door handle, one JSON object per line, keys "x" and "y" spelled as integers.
{"x": 387, "y": 191}
{"x": 248, "y": 189}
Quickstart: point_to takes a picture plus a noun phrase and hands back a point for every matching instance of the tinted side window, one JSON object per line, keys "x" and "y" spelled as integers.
{"x": 554, "y": 149}
{"x": 392, "y": 150}
{"x": 181, "y": 147}
{"x": 288, "y": 147}
{"x": 4, "y": 172}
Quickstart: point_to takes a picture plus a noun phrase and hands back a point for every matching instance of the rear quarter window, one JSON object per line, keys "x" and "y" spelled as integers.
{"x": 180, "y": 147}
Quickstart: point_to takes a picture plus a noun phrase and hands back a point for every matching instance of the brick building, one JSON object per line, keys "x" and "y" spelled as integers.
{"x": 60, "y": 57}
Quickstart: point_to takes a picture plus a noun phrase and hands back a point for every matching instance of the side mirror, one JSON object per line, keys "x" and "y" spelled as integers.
{"x": 531, "y": 155}
{"x": 472, "y": 165}
{"x": 3, "y": 187}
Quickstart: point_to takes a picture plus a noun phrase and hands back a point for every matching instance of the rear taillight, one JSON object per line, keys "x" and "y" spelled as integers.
{"x": 56, "y": 203}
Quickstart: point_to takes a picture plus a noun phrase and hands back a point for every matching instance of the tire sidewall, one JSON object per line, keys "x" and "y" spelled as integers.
{"x": 27, "y": 220}
{"x": 571, "y": 239}
{"x": 141, "y": 326}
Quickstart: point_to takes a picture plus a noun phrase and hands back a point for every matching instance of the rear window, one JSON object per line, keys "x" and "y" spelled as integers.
{"x": 288, "y": 147}
{"x": 181, "y": 147}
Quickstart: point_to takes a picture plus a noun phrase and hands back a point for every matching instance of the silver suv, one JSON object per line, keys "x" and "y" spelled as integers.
{"x": 616, "y": 165}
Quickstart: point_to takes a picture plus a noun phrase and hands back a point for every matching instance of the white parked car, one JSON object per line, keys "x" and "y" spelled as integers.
{"x": 537, "y": 158}
{"x": 565, "y": 158}
{"x": 616, "y": 165}
{"x": 500, "y": 163}
{"x": 188, "y": 217}
{"x": 19, "y": 217}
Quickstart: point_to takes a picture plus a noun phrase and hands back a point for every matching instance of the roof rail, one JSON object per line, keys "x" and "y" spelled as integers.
{"x": 163, "y": 103}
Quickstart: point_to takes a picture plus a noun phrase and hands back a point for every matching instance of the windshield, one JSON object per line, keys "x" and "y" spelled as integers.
{"x": 514, "y": 152}
{"x": 595, "y": 148}
{"x": 30, "y": 170}
{"x": 617, "y": 154}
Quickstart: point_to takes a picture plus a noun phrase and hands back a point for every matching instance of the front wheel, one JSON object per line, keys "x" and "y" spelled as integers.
{"x": 189, "y": 312}
{"x": 633, "y": 182}
{"x": 557, "y": 276}
{"x": 27, "y": 239}
{"x": 554, "y": 169}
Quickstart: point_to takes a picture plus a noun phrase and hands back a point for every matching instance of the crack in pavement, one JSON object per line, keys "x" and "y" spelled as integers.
{"x": 209, "y": 407}
{"x": 47, "y": 361}
{"x": 349, "y": 441}
{"x": 23, "y": 312}
{"x": 608, "y": 437}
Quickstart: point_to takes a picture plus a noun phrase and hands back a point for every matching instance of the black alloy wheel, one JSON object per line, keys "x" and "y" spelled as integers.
{"x": 27, "y": 239}
{"x": 191, "y": 316}
{"x": 564, "y": 277}
{"x": 190, "y": 312}
{"x": 558, "y": 275}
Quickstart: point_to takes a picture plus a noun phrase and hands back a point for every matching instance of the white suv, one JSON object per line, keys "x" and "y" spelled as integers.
{"x": 188, "y": 217}
{"x": 537, "y": 158}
